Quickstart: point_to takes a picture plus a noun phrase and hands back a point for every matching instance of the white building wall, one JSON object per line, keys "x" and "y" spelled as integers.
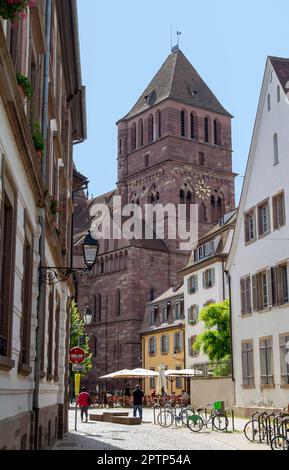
{"x": 266, "y": 180}
{"x": 200, "y": 298}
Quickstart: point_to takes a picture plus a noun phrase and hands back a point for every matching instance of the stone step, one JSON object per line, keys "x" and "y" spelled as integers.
{"x": 127, "y": 420}
{"x": 95, "y": 417}
{"x": 107, "y": 416}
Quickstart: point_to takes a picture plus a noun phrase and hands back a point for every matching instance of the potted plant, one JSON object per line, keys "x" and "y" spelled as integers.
{"x": 24, "y": 85}
{"x": 38, "y": 139}
{"x": 15, "y": 9}
{"x": 54, "y": 206}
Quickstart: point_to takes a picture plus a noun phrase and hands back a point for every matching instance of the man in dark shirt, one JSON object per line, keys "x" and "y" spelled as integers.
{"x": 138, "y": 395}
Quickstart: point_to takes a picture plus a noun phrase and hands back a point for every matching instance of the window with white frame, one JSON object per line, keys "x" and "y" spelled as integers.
{"x": 177, "y": 309}
{"x": 193, "y": 314}
{"x": 284, "y": 358}
{"x": 278, "y": 211}
{"x": 178, "y": 342}
{"x": 152, "y": 317}
{"x": 264, "y": 218}
{"x": 204, "y": 251}
{"x": 164, "y": 344}
{"x": 191, "y": 342}
{"x": 152, "y": 346}
{"x": 164, "y": 314}
{"x": 193, "y": 284}
{"x": 250, "y": 226}
{"x": 209, "y": 278}
{"x": 179, "y": 380}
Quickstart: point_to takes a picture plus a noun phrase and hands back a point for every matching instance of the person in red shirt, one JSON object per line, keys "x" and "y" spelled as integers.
{"x": 83, "y": 401}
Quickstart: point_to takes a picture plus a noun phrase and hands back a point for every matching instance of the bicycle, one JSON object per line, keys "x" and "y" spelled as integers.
{"x": 255, "y": 429}
{"x": 216, "y": 418}
{"x": 171, "y": 415}
{"x": 281, "y": 441}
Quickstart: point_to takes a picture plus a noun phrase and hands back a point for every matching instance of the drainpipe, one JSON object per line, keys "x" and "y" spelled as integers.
{"x": 42, "y": 288}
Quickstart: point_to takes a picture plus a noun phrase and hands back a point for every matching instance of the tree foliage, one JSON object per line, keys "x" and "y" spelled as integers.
{"x": 215, "y": 341}
{"x": 78, "y": 331}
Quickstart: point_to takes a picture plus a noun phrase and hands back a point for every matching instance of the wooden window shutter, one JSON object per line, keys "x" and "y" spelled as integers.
{"x": 275, "y": 212}
{"x": 248, "y": 294}
{"x": 269, "y": 286}
{"x": 243, "y": 296}
{"x": 274, "y": 275}
{"x": 246, "y": 227}
{"x": 279, "y": 290}
{"x": 255, "y": 292}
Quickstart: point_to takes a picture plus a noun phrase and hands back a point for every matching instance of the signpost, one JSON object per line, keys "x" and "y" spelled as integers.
{"x": 77, "y": 357}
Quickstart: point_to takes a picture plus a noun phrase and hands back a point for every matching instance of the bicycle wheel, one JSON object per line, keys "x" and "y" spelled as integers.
{"x": 165, "y": 418}
{"x": 185, "y": 413}
{"x": 220, "y": 422}
{"x": 253, "y": 432}
{"x": 279, "y": 443}
{"x": 195, "y": 423}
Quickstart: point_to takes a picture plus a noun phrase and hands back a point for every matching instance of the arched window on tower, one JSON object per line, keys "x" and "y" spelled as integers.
{"x": 99, "y": 306}
{"x": 207, "y": 130}
{"x": 118, "y": 303}
{"x": 95, "y": 346}
{"x": 213, "y": 210}
{"x": 133, "y": 137}
{"x": 216, "y": 132}
{"x": 202, "y": 213}
{"x": 159, "y": 124}
{"x": 150, "y": 128}
{"x": 220, "y": 208}
{"x": 183, "y": 123}
{"x": 140, "y": 133}
{"x": 193, "y": 126}
{"x": 182, "y": 196}
{"x": 189, "y": 201}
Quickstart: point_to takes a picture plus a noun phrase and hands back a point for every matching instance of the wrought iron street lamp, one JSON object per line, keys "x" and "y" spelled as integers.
{"x": 87, "y": 317}
{"x": 54, "y": 274}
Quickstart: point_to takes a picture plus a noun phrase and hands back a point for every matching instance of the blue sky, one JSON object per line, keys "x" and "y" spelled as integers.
{"x": 123, "y": 44}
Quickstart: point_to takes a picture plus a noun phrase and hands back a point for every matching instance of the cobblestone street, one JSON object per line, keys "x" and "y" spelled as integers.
{"x": 108, "y": 436}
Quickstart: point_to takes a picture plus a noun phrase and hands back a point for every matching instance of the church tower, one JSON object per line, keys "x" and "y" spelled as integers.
{"x": 174, "y": 146}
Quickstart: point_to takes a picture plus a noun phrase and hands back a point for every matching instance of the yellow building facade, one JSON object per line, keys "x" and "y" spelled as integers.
{"x": 163, "y": 339}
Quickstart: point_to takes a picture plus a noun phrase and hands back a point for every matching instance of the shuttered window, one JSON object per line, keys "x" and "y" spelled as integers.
{"x": 278, "y": 211}
{"x": 50, "y": 333}
{"x": 191, "y": 342}
{"x": 193, "y": 284}
{"x": 56, "y": 340}
{"x": 264, "y": 219}
{"x": 26, "y": 297}
{"x": 266, "y": 361}
{"x": 152, "y": 346}
{"x": 248, "y": 363}
{"x": 250, "y": 226}
{"x": 209, "y": 278}
{"x": 245, "y": 289}
{"x": 284, "y": 359}
{"x": 7, "y": 270}
{"x": 193, "y": 314}
{"x": 164, "y": 344}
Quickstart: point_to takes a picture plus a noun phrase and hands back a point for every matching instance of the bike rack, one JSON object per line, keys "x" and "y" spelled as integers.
{"x": 229, "y": 412}
{"x": 157, "y": 406}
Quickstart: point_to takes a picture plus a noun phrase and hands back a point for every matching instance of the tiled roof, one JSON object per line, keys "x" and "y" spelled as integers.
{"x": 179, "y": 81}
{"x": 281, "y": 67}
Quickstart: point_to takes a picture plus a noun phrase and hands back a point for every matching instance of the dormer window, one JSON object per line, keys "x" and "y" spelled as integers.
{"x": 204, "y": 251}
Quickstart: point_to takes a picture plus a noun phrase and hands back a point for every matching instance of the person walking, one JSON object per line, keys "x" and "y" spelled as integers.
{"x": 137, "y": 395}
{"x": 83, "y": 401}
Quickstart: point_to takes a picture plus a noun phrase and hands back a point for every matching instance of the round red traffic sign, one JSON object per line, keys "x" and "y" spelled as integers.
{"x": 76, "y": 355}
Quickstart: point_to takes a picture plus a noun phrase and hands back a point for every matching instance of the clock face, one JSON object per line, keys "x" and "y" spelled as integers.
{"x": 203, "y": 190}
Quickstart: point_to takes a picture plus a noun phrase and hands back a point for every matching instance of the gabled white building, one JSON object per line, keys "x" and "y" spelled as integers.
{"x": 258, "y": 261}
{"x": 205, "y": 281}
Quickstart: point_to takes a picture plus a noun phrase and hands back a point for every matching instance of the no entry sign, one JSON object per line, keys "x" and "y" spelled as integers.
{"x": 76, "y": 355}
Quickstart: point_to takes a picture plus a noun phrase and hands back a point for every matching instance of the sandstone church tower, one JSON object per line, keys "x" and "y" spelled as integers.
{"x": 174, "y": 146}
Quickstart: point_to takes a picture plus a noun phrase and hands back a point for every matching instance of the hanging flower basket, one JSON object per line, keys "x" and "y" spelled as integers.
{"x": 38, "y": 139}
{"x": 15, "y": 9}
{"x": 24, "y": 85}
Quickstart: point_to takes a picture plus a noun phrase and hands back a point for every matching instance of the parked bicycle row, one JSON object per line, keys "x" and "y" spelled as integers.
{"x": 211, "y": 416}
{"x": 271, "y": 429}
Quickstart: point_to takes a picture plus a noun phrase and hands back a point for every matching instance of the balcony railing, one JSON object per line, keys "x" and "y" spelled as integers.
{"x": 212, "y": 369}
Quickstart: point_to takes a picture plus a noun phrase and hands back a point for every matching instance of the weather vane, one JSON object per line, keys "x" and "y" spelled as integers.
{"x": 176, "y": 47}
